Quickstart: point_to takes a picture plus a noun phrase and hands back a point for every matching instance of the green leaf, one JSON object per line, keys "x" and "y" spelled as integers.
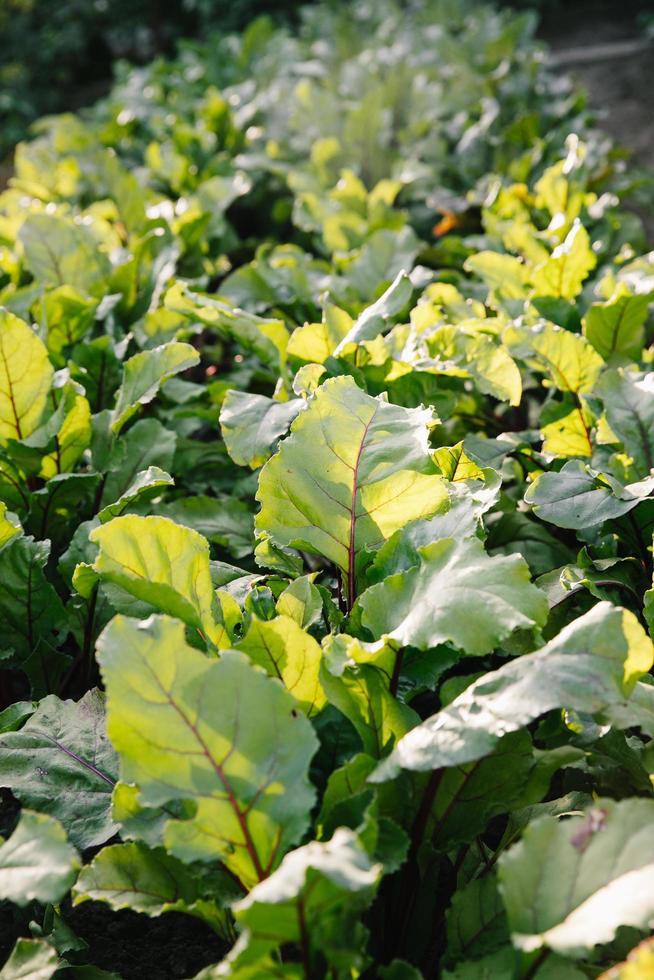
{"x": 565, "y": 271}
{"x": 462, "y": 519}
{"x": 457, "y": 594}
{"x": 476, "y": 921}
{"x": 68, "y": 316}
{"x": 503, "y": 273}
{"x": 471, "y": 795}
{"x": 37, "y": 864}
{"x": 31, "y": 959}
{"x": 138, "y": 822}
{"x": 163, "y": 564}
{"x": 593, "y": 663}
{"x": 72, "y": 435}
{"x": 629, "y": 404}
{"x": 146, "y": 483}
{"x": 302, "y": 601}
{"x": 219, "y": 733}
{"x": 617, "y": 326}
{"x": 32, "y": 613}
{"x": 267, "y": 338}
{"x": 9, "y": 526}
{"x": 376, "y": 319}
{"x": 353, "y": 471}
{"x": 579, "y": 497}
{"x": 25, "y": 378}
{"x": 503, "y": 964}
{"x": 61, "y": 763}
{"x": 60, "y": 252}
{"x": 572, "y": 364}
{"x": 15, "y": 715}
{"x": 313, "y": 900}
{"x": 146, "y": 443}
{"x": 570, "y": 884}
{"x": 251, "y": 425}
{"x": 357, "y": 677}
{"x": 132, "y": 876}
{"x": 65, "y": 499}
{"x": 287, "y": 652}
{"x": 143, "y": 375}
{"x": 227, "y": 522}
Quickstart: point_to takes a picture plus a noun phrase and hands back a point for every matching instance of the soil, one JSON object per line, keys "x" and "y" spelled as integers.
{"x": 619, "y": 88}
{"x": 130, "y": 945}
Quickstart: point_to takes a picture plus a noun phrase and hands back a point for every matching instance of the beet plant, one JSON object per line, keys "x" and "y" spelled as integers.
{"x": 326, "y": 479}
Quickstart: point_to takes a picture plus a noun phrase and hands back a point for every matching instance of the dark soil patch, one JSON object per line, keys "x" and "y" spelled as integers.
{"x": 132, "y": 946}
{"x": 136, "y": 947}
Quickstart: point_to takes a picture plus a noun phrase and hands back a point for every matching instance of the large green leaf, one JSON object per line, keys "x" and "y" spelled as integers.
{"x": 286, "y": 651}
{"x": 457, "y": 594}
{"x": 37, "y": 863}
{"x": 143, "y": 375}
{"x": 593, "y": 663}
{"x": 629, "y": 404}
{"x": 569, "y": 360}
{"x": 221, "y": 734}
{"x": 163, "y": 564}
{"x": 468, "y": 502}
{"x": 61, "y": 763}
{"x": 313, "y": 900}
{"x": 353, "y": 471}
{"x": 570, "y": 884}
{"x": 25, "y": 377}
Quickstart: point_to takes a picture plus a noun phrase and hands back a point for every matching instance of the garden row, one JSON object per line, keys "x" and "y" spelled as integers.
{"x": 326, "y": 463}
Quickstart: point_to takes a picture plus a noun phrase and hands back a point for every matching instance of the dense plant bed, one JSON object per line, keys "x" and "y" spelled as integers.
{"x": 326, "y": 475}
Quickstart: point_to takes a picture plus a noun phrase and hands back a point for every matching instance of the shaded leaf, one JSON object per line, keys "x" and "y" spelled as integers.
{"x": 593, "y": 663}
{"x": 143, "y": 375}
{"x": 132, "y": 876}
{"x": 61, "y": 763}
{"x": 251, "y": 425}
{"x": 31, "y": 959}
{"x": 579, "y": 497}
{"x": 629, "y": 404}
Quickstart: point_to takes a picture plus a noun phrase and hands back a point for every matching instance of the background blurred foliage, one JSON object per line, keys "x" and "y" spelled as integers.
{"x": 59, "y": 55}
